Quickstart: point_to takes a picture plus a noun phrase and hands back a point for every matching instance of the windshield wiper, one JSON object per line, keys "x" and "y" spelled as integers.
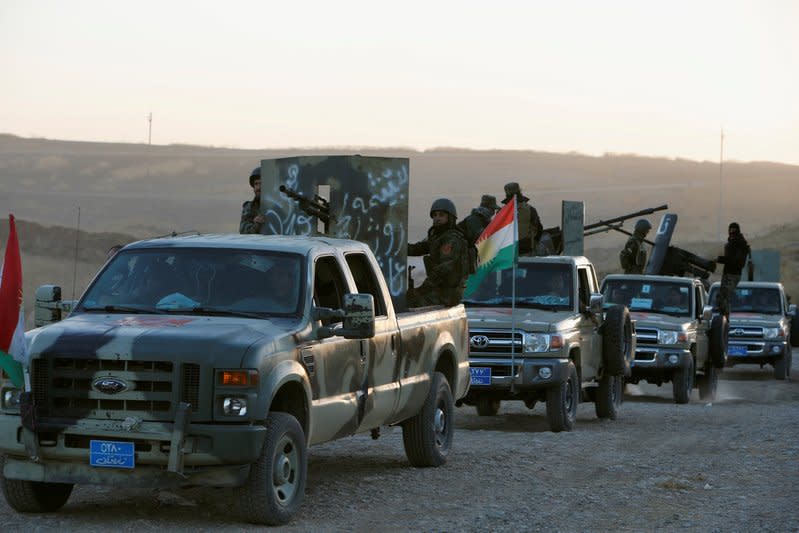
{"x": 135, "y": 309}
{"x": 214, "y": 311}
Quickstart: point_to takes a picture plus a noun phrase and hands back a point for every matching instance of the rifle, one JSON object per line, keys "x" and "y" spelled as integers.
{"x": 318, "y": 207}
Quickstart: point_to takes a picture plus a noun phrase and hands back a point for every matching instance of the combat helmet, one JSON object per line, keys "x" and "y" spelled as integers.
{"x": 255, "y": 175}
{"x": 446, "y": 205}
{"x": 642, "y": 226}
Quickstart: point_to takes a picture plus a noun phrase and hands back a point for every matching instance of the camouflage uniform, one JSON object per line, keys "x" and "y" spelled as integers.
{"x": 736, "y": 251}
{"x": 633, "y": 256}
{"x": 530, "y": 227}
{"x": 446, "y": 261}
{"x": 249, "y": 210}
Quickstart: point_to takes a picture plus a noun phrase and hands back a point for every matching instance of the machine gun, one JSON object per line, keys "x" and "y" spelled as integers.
{"x": 552, "y": 238}
{"x": 670, "y": 260}
{"x": 318, "y": 207}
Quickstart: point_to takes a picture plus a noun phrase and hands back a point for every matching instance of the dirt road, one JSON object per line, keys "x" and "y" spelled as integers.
{"x": 732, "y": 465}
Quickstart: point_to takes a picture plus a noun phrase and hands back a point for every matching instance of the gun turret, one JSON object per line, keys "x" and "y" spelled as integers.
{"x": 678, "y": 262}
{"x": 318, "y": 207}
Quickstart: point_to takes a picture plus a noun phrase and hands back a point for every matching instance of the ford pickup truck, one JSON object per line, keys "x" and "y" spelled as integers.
{"x": 538, "y": 333}
{"x": 215, "y": 360}
{"x": 678, "y": 339}
{"x": 760, "y": 326}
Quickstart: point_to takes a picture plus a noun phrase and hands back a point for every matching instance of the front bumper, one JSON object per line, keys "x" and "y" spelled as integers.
{"x": 208, "y": 454}
{"x": 522, "y": 373}
{"x": 657, "y": 360}
{"x": 755, "y": 351}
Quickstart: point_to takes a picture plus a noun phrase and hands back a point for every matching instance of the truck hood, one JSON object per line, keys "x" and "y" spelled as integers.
{"x": 532, "y": 320}
{"x": 755, "y": 319}
{"x": 658, "y": 320}
{"x": 221, "y": 341}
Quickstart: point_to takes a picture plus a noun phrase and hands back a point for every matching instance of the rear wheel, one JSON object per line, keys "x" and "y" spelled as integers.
{"x": 562, "y": 400}
{"x": 33, "y": 496}
{"x": 683, "y": 381}
{"x": 427, "y": 436}
{"x": 487, "y": 406}
{"x": 609, "y": 396}
{"x": 275, "y": 488}
{"x": 709, "y": 383}
{"x": 617, "y": 332}
{"x": 719, "y": 328}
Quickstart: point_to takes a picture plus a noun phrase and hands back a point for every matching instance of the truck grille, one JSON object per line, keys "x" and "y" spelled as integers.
{"x": 646, "y": 335}
{"x": 68, "y": 387}
{"x": 495, "y": 341}
{"x": 744, "y": 332}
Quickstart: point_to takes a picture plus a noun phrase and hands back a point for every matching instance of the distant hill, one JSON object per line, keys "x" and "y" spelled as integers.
{"x": 151, "y": 190}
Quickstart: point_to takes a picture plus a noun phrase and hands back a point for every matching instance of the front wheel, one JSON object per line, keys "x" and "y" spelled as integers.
{"x": 709, "y": 383}
{"x": 33, "y": 496}
{"x": 719, "y": 327}
{"x": 427, "y": 436}
{"x": 562, "y": 402}
{"x": 487, "y": 406}
{"x": 276, "y": 486}
{"x": 683, "y": 381}
{"x": 781, "y": 368}
{"x": 609, "y": 396}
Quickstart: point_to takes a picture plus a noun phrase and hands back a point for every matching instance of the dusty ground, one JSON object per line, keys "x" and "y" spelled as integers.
{"x": 732, "y": 465}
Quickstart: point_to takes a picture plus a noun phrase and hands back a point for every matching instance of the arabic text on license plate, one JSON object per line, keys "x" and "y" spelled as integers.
{"x": 736, "y": 349}
{"x": 481, "y": 375}
{"x": 111, "y": 454}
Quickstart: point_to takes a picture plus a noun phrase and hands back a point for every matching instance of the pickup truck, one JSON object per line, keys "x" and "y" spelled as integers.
{"x": 215, "y": 360}
{"x": 677, "y": 337}
{"x": 760, "y": 329}
{"x": 538, "y": 333}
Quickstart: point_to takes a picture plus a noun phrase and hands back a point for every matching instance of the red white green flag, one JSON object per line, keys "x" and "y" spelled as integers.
{"x": 13, "y": 349}
{"x": 497, "y": 246}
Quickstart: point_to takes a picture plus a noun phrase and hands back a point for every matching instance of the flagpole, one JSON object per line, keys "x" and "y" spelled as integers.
{"x": 513, "y": 300}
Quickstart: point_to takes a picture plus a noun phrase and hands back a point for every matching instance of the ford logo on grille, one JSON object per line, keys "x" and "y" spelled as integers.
{"x": 738, "y": 332}
{"x": 479, "y": 341}
{"x": 109, "y": 385}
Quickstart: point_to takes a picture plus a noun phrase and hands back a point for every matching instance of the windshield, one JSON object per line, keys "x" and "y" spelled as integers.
{"x": 538, "y": 285}
{"x": 765, "y": 300}
{"x": 654, "y": 296}
{"x": 208, "y": 281}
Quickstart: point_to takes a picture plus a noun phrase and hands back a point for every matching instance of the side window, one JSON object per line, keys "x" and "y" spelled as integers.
{"x": 584, "y": 288}
{"x": 365, "y": 280}
{"x": 698, "y": 303}
{"x": 329, "y": 286}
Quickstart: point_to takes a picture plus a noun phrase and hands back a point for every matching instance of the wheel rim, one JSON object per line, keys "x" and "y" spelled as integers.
{"x": 284, "y": 470}
{"x": 440, "y": 425}
{"x": 615, "y": 395}
{"x": 569, "y": 400}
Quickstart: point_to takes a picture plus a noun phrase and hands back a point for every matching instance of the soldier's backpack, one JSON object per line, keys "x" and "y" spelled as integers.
{"x": 470, "y": 228}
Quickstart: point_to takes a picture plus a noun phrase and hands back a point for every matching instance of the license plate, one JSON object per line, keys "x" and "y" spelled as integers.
{"x": 480, "y": 375}
{"x": 111, "y": 454}
{"x": 736, "y": 349}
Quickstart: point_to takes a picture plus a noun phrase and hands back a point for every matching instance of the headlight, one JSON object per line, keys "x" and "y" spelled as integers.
{"x": 536, "y": 342}
{"x": 773, "y": 333}
{"x": 671, "y": 337}
{"x": 234, "y": 406}
{"x": 11, "y": 398}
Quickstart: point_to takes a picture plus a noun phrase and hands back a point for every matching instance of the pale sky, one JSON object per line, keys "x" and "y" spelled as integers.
{"x": 653, "y": 78}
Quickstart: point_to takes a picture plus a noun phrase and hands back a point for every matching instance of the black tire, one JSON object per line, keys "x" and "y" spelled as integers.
{"x": 609, "y": 396}
{"x": 709, "y": 383}
{"x": 683, "y": 381}
{"x": 719, "y": 327}
{"x": 33, "y": 496}
{"x": 617, "y": 340}
{"x": 487, "y": 406}
{"x": 781, "y": 368}
{"x": 427, "y": 436}
{"x": 794, "y": 334}
{"x": 275, "y": 488}
{"x": 562, "y": 400}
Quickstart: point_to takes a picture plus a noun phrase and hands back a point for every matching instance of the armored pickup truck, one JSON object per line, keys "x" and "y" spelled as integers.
{"x": 215, "y": 360}
{"x": 678, "y": 339}
{"x": 538, "y": 333}
{"x": 760, "y": 329}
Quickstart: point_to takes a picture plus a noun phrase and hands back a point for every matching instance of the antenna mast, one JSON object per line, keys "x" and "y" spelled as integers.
{"x": 150, "y": 128}
{"x": 721, "y": 183}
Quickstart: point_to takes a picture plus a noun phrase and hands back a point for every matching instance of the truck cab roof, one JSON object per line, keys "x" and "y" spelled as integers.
{"x": 279, "y": 243}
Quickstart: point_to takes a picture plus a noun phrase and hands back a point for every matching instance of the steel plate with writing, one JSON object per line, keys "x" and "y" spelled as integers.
{"x": 111, "y": 454}
{"x": 480, "y": 375}
{"x": 736, "y": 349}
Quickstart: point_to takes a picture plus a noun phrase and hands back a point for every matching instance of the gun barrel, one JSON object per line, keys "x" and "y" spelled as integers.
{"x": 628, "y": 216}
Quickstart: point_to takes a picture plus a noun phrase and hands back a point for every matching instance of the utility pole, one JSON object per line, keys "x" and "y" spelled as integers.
{"x": 721, "y": 184}
{"x": 150, "y": 129}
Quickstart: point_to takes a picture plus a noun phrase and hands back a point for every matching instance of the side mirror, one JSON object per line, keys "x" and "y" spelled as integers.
{"x": 49, "y": 307}
{"x": 792, "y": 310}
{"x": 707, "y": 313}
{"x": 595, "y": 304}
{"x": 359, "y": 316}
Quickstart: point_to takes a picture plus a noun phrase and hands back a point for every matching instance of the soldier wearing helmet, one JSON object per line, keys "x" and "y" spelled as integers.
{"x": 633, "y": 256}
{"x": 530, "y": 228}
{"x": 251, "y": 217}
{"x": 446, "y": 259}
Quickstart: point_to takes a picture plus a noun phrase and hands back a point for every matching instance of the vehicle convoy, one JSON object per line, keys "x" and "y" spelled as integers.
{"x": 553, "y": 345}
{"x": 678, "y": 339}
{"x": 761, "y": 326}
{"x": 215, "y": 360}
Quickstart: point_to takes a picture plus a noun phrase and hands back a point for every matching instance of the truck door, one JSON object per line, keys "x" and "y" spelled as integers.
{"x": 590, "y": 341}
{"x": 382, "y": 379}
{"x": 702, "y": 328}
{"x": 339, "y": 364}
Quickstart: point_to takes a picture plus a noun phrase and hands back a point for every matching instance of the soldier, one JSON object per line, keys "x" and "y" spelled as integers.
{"x": 474, "y": 224}
{"x": 445, "y": 259}
{"x": 633, "y": 256}
{"x": 530, "y": 228}
{"x": 251, "y": 217}
{"x": 735, "y": 252}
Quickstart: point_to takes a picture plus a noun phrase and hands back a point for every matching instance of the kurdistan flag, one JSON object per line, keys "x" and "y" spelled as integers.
{"x": 497, "y": 246}
{"x": 13, "y": 349}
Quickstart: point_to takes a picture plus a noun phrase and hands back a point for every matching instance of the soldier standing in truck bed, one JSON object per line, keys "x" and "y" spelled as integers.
{"x": 445, "y": 259}
{"x": 736, "y": 251}
{"x": 530, "y": 228}
{"x": 633, "y": 256}
{"x": 251, "y": 217}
